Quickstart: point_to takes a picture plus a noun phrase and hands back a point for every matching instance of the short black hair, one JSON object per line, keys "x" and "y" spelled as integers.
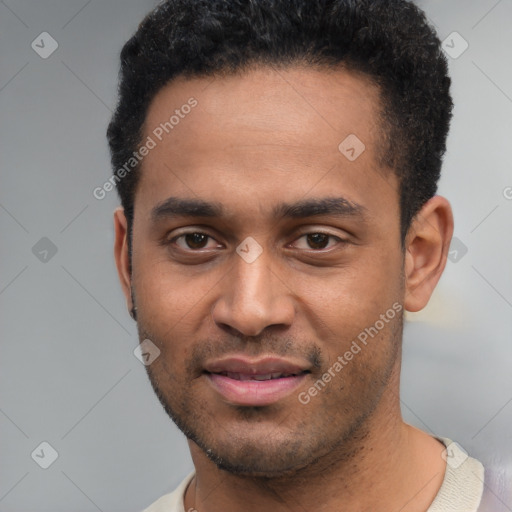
{"x": 390, "y": 41}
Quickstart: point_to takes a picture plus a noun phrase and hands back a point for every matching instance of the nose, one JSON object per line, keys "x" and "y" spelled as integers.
{"x": 253, "y": 297}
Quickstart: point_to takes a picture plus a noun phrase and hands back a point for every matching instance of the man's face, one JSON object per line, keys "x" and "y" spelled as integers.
{"x": 262, "y": 149}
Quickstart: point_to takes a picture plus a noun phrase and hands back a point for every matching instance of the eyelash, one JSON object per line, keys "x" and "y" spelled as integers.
{"x": 339, "y": 240}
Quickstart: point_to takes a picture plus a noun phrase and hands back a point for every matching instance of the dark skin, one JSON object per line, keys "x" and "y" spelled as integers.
{"x": 254, "y": 141}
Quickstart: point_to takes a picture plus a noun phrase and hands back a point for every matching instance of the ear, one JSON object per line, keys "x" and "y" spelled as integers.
{"x": 427, "y": 245}
{"x": 121, "y": 254}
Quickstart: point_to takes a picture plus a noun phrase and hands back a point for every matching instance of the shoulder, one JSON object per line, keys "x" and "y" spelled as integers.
{"x": 172, "y": 502}
{"x": 471, "y": 485}
{"x": 463, "y": 483}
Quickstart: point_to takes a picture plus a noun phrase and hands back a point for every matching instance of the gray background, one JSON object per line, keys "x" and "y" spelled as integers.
{"x": 68, "y": 373}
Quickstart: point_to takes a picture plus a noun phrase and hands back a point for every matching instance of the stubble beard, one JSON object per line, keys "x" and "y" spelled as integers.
{"x": 311, "y": 446}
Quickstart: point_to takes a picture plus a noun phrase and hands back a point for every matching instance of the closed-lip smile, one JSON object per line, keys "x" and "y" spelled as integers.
{"x": 255, "y": 382}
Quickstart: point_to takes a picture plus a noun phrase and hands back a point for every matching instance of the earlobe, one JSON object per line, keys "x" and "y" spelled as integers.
{"x": 121, "y": 255}
{"x": 427, "y": 247}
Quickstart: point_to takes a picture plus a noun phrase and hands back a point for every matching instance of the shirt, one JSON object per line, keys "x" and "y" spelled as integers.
{"x": 461, "y": 490}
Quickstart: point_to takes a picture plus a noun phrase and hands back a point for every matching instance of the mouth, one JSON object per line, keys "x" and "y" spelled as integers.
{"x": 258, "y": 377}
{"x": 251, "y": 383}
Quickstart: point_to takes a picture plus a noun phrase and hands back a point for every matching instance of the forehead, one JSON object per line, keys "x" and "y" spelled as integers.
{"x": 263, "y": 133}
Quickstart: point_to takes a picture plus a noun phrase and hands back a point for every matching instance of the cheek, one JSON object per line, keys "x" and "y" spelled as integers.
{"x": 174, "y": 306}
{"x": 352, "y": 298}
{"x": 163, "y": 288}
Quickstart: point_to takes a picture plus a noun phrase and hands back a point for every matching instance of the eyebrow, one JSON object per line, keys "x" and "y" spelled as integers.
{"x": 330, "y": 206}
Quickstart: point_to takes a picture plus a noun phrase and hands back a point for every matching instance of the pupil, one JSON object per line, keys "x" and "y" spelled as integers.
{"x": 318, "y": 239}
{"x": 195, "y": 240}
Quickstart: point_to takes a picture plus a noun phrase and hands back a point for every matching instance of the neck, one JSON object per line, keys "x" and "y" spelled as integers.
{"x": 386, "y": 465}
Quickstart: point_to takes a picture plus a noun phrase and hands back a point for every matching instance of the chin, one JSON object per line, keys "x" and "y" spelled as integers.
{"x": 257, "y": 459}
{"x": 253, "y": 469}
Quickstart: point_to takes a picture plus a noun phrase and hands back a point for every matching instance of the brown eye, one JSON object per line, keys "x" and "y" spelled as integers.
{"x": 196, "y": 240}
{"x": 317, "y": 240}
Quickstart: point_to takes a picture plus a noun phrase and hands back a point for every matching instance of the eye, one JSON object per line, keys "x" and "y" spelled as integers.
{"x": 193, "y": 241}
{"x": 318, "y": 241}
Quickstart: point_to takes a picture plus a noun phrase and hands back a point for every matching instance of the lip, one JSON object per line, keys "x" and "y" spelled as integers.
{"x": 260, "y": 366}
{"x": 251, "y": 392}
